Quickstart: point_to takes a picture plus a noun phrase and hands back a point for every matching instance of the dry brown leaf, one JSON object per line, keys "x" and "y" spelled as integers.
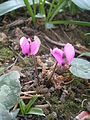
{"x": 3, "y": 37}
{"x": 19, "y": 33}
{"x": 59, "y": 79}
{"x": 44, "y": 71}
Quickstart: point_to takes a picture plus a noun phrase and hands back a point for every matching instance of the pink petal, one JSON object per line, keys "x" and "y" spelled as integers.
{"x": 69, "y": 52}
{"x": 24, "y": 45}
{"x": 83, "y": 115}
{"x": 58, "y": 54}
{"x": 35, "y": 45}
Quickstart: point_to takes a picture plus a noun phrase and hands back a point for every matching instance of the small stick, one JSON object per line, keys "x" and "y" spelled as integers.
{"x": 28, "y": 92}
{"x": 29, "y": 97}
{"x": 29, "y": 82}
{"x": 53, "y": 71}
{"x": 25, "y": 97}
{"x": 66, "y": 83}
{"x": 42, "y": 106}
{"x": 35, "y": 63}
{"x": 17, "y": 53}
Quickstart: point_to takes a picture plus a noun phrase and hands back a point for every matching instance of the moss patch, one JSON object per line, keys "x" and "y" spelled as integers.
{"x": 6, "y": 53}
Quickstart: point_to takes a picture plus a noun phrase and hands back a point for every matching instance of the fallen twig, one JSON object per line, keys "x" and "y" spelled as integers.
{"x": 50, "y": 77}
{"x": 42, "y": 106}
{"x": 29, "y": 97}
{"x": 58, "y": 44}
{"x": 28, "y": 92}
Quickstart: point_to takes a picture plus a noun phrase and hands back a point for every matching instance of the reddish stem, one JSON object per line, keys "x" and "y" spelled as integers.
{"x": 35, "y": 63}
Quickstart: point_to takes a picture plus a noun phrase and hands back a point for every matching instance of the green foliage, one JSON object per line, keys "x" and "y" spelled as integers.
{"x": 27, "y": 109}
{"x": 1, "y": 69}
{"x": 54, "y": 9}
{"x": 6, "y": 115}
{"x": 11, "y": 5}
{"x": 9, "y": 95}
{"x": 80, "y": 68}
{"x": 85, "y": 54}
{"x": 31, "y": 10}
{"x": 82, "y": 23}
{"x": 36, "y": 111}
{"x": 72, "y": 7}
{"x": 86, "y": 34}
{"x": 6, "y": 53}
{"x": 85, "y": 4}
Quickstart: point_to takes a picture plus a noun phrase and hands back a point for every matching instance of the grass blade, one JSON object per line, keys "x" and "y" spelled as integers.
{"x": 34, "y": 7}
{"x": 36, "y": 111}
{"x": 59, "y": 6}
{"x": 30, "y": 11}
{"x": 29, "y": 105}
{"x": 41, "y": 7}
{"x": 22, "y": 106}
{"x": 81, "y": 23}
{"x": 50, "y": 9}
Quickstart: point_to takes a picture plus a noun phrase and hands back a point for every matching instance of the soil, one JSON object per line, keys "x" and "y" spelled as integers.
{"x": 64, "y": 96}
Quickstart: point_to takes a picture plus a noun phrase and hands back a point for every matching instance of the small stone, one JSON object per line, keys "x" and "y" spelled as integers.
{"x": 54, "y": 114}
{"x": 51, "y": 89}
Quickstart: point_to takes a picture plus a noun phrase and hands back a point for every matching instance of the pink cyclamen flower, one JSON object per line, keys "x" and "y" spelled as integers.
{"x": 28, "y": 47}
{"x": 69, "y": 52}
{"x": 24, "y": 43}
{"x": 58, "y": 54}
{"x": 83, "y": 115}
{"x": 35, "y": 45}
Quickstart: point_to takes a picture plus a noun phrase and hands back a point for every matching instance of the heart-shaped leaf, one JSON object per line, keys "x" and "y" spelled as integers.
{"x": 6, "y": 115}
{"x": 11, "y": 5}
{"x": 9, "y": 89}
{"x": 80, "y": 68}
{"x": 84, "y": 4}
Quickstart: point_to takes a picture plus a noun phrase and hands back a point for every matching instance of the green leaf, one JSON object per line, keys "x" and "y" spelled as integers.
{"x": 41, "y": 7}
{"x": 1, "y": 69}
{"x": 36, "y": 111}
{"x": 85, "y": 54}
{"x": 4, "y": 113}
{"x": 14, "y": 114}
{"x": 82, "y": 23}
{"x": 9, "y": 89}
{"x": 87, "y": 34}
{"x": 22, "y": 106}
{"x": 50, "y": 9}
{"x": 11, "y": 5}
{"x": 29, "y": 105}
{"x": 80, "y": 68}
{"x": 72, "y": 7}
{"x": 30, "y": 10}
{"x": 85, "y": 4}
{"x": 57, "y": 8}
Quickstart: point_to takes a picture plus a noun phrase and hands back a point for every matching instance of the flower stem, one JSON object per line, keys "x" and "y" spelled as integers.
{"x": 35, "y": 63}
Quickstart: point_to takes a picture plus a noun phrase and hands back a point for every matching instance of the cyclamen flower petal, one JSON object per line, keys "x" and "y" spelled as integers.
{"x": 58, "y": 54}
{"x": 83, "y": 115}
{"x": 34, "y": 46}
{"x": 69, "y": 52}
{"x": 24, "y": 45}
